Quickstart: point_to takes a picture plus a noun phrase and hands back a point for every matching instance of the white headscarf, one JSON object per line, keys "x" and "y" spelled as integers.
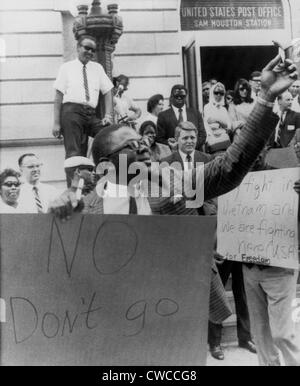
{"x": 212, "y": 100}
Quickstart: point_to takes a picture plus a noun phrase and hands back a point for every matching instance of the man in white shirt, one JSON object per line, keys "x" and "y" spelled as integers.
{"x": 35, "y": 196}
{"x": 125, "y": 109}
{"x": 288, "y": 124}
{"x": 77, "y": 86}
{"x": 255, "y": 83}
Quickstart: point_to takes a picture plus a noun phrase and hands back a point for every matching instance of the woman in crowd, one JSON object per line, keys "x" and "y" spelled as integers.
{"x": 216, "y": 120}
{"x": 9, "y": 191}
{"x": 158, "y": 151}
{"x": 155, "y": 105}
{"x": 242, "y": 104}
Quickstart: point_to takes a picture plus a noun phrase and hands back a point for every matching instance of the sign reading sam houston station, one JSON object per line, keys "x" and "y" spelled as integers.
{"x": 231, "y": 14}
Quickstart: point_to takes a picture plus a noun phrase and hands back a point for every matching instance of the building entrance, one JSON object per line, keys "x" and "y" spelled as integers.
{"x": 228, "y": 64}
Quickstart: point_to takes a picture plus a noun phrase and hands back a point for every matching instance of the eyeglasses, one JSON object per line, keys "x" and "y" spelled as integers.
{"x": 33, "y": 166}
{"x": 219, "y": 93}
{"x": 10, "y": 184}
{"x": 88, "y": 48}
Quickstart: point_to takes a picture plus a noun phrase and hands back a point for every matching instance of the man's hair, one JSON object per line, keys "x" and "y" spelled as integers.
{"x": 178, "y": 86}
{"x": 83, "y": 37}
{"x": 153, "y": 102}
{"x": 280, "y": 96}
{"x": 102, "y": 142}
{"x": 255, "y": 74}
{"x": 21, "y": 159}
{"x": 8, "y": 173}
{"x": 186, "y": 126}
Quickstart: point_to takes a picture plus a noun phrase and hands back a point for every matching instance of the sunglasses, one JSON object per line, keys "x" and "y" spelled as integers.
{"x": 88, "y": 48}
{"x": 11, "y": 184}
{"x": 219, "y": 93}
{"x": 243, "y": 88}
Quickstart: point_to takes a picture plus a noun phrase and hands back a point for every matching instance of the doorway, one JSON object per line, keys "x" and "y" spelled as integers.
{"x": 228, "y": 64}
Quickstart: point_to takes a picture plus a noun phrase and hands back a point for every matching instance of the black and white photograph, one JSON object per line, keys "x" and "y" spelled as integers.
{"x": 149, "y": 185}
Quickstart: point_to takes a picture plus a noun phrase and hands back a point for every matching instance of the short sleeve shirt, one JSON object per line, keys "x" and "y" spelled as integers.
{"x": 70, "y": 82}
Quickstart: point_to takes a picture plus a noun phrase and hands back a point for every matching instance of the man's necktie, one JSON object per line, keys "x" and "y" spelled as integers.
{"x": 85, "y": 83}
{"x": 37, "y": 200}
{"x": 180, "y": 117}
{"x": 189, "y": 161}
{"x": 132, "y": 205}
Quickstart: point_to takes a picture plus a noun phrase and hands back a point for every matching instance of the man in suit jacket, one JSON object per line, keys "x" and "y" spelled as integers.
{"x": 178, "y": 112}
{"x": 186, "y": 156}
{"x": 288, "y": 124}
{"x": 118, "y": 143}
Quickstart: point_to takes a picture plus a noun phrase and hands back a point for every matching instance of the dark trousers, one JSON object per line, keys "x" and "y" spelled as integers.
{"x": 78, "y": 122}
{"x": 238, "y": 289}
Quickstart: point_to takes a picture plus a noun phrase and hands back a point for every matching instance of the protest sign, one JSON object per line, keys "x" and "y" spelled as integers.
{"x": 105, "y": 290}
{"x": 257, "y": 222}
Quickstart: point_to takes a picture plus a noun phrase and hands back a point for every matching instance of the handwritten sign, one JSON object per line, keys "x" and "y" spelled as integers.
{"x": 231, "y": 14}
{"x": 105, "y": 290}
{"x": 257, "y": 222}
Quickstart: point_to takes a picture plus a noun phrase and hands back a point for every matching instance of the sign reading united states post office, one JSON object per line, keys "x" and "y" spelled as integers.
{"x": 257, "y": 222}
{"x": 231, "y": 14}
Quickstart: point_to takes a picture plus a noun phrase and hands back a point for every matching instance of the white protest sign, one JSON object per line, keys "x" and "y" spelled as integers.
{"x": 257, "y": 222}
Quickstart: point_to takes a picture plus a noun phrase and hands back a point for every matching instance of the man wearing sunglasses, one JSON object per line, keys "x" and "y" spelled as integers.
{"x": 178, "y": 112}
{"x": 77, "y": 89}
{"x": 81, "y": 168}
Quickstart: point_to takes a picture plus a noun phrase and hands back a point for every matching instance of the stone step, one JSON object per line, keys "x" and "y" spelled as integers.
{"x": 229, "y": 334}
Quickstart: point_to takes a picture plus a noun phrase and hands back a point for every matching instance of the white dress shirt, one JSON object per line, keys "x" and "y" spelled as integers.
{"x": 116, "y": 199}
{"x": 27, "y": 202}
{"x": 281, "y": 119}
{"x": 176, "y": 111}
{"x": 184, "y": 160}
{"x": 70, "y": 82}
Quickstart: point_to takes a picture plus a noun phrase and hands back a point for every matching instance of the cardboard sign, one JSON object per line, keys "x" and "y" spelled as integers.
{"x": 257, "y": 222}
{"x": 231, "y": 14}
{"x": 105, "y": 290}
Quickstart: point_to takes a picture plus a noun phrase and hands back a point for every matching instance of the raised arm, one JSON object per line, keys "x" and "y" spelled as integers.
{"x": 226, "y": 172}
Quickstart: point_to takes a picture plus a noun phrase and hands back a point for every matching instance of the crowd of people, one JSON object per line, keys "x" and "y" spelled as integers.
{"x": 230, "y": 138}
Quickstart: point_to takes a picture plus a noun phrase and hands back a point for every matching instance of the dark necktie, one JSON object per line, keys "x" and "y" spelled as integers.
{"x": 189, "y": 161}
{"x": 85, "y": 84}
{"x": 37, "y": 200}
{"x": 132, "y": 205}
{"x": 180, "y": 117}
